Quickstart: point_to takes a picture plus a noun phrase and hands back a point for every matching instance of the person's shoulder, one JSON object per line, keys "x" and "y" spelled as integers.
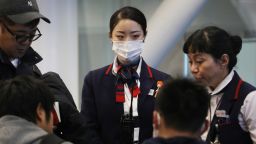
{"x": 51, "y": 139}
{"x": 245, "y": 85}
{"x": 102, "y": 69}
{"x": 159, "y": 74}
{"x": 175, "y": 140}
{"x": 248, "y": 86}
{"x": 106, "y": 70}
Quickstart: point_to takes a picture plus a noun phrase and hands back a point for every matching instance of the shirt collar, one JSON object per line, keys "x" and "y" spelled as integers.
{"x": 115, "y": 66}
{"x": 30, "y": 57}
{"x": 15, "y": 62}
{"x": 223, "y": 84}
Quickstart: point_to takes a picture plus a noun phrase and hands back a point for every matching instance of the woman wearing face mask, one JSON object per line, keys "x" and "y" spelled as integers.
{"x": 118, "y": 99}
{"x": 212, "y": 56}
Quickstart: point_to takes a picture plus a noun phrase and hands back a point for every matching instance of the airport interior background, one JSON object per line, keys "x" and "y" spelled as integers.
{"x": 77, "y": 39}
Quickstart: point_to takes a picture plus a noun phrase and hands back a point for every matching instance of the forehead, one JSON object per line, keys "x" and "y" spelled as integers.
{"x": 199, "y": 55}
{"x": 127, "y": 25}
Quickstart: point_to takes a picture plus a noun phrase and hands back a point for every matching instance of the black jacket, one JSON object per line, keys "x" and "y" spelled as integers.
{"x": 27, "y": 65}
{"x": 71, "y": 127}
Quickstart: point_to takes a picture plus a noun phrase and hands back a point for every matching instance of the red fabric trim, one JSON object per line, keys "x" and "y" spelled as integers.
{"x": 136, "y": 91}
{"x": 238, "y": 89}
{"x": 108, "y": 70}
{"x": 55, "y": 117}
{"x": 120, "y": 98}
{"x": 150, "y": 72}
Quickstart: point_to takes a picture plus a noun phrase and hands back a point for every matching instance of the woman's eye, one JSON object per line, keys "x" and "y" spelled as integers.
{"x": 120, "y": 36}
{"x": 199, "y": 61}
{"x": 136, "y": 36}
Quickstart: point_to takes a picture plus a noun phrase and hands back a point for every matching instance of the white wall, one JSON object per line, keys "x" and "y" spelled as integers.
{"x": 246, "y": 65}
{"x": 59, "y": 43}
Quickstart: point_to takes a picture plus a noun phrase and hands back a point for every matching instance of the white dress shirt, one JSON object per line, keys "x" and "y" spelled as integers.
{"x": 127, "y": 103}
{"x": 15, "y": 62}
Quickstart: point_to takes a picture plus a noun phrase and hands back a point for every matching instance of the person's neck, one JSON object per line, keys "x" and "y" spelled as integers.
{"x": 167, "y": 133}
{"x": 218, "y": 79}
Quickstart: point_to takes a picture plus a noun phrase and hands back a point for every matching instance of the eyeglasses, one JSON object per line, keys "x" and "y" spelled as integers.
{"x": 23, "y": 38}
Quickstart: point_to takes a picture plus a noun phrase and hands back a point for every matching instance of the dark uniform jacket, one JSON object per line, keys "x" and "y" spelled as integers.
{"x": 71, "y": 127}
{"x": 175, "y": 140}
{"x": 228, "y": 130}
{"x": 103, "y": 113}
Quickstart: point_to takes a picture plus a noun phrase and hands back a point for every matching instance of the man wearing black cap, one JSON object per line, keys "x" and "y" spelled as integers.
{"x": 18, "y": 29}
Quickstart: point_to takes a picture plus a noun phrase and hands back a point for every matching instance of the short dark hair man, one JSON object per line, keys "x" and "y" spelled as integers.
{"x": 26, "y": 106}
{"x": 181, "y": 108}
{"x": 18, "y": 29}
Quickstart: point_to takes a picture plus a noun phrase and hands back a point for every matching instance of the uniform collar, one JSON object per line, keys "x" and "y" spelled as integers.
{"x": 223, "y": 84}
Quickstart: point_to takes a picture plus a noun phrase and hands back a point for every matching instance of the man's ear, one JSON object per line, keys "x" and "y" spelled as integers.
{"x": 40, "y": 113}
{"x": 204, "y": 127}
{"x": 156, "y": 119}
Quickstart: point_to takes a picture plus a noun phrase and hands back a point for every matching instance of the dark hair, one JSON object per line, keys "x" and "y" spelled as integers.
{"x": 216, "y": 42}
{"x": 128, "y": 13}
{"x": 183, "y": 104}
{"x": 21, "y": 95}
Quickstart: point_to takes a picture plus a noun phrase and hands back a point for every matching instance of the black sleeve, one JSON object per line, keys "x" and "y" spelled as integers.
{"x": 71, "y": 127}
{"x": 88, "y": 110}
{"x": 58, "y": 87}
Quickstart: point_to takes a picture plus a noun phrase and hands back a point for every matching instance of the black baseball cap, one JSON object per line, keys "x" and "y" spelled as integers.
{"x": 21, "y": 11}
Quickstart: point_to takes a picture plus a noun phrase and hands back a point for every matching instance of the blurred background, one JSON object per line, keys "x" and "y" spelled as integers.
{"x": 77, "y": 39}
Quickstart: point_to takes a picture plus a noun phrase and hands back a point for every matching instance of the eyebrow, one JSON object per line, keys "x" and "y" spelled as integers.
{"x": 132, "y": 32}
{"x": 137, "y": 32}
{"x": 120, "y": 32}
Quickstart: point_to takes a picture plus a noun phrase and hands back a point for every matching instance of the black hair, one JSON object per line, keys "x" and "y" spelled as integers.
{"x": 21, "y": 95}
{"x": 216, "y": 42}
{"x": 183, "y": 104}
{"x": 128, "y": 13}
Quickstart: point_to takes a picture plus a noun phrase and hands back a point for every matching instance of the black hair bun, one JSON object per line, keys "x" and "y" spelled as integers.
{"x": 236, "y": 44}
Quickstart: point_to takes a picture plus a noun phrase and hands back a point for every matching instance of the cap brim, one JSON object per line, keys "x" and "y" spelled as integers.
{"x": 27, "y": 17}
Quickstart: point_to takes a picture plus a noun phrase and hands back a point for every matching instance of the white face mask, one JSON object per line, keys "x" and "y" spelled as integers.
{"x": 128, "y": 51}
